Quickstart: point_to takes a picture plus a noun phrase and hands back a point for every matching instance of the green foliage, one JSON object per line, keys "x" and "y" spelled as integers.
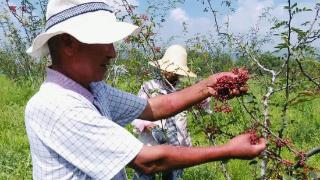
{"x": 20, "y": 25}
{"x": 21, "y": 69}
{"x": 302, "y": 130}
{"x": 267, "y": 59}
{"x": 204, "y": 63}
{"x": 304, "y": 125}
{"x": 15, "y": 158}
{"x": 294, "y": 107}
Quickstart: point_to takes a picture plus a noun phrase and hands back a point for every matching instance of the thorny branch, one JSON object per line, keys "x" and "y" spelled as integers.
{"x": 307, "y": 155}
{"x": 274, "y": 74}
{"x": 214, "y": 13}
{"x": 265, "y": 124}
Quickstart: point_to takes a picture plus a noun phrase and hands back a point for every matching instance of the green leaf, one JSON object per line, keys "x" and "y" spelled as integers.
{"x": 249, "y": 98}
{"x": 281, "y": 46}
{"x": 314, "y": 175}
{"x": 279, "y": 24}
{"x": 294, "y": 5}
{"x": 254, "y": 162}
{"x": 312, "y": 62}
{"x": 298, "y": 31}
{"x": 306, "y": 9}
{"x": 305, "y": 23}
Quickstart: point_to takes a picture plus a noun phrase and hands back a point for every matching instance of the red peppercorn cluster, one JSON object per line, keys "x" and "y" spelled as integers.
{"x": 13, "y": 9}
{"x": 281, "y": 142}
{"x": 228, "y": 87}
{"x": 286, "y": 162}
{"x": 254, "y": 138}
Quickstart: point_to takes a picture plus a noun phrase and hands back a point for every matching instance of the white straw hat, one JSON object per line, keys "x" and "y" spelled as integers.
{"x": 89, "y": 21}
{"x": 174, "y": 60}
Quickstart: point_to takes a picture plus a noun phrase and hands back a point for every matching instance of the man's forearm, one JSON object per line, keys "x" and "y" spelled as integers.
{"x": 164, "y": 106}
{"x": 162, "y": 158}
{"x": 153, "y": 159}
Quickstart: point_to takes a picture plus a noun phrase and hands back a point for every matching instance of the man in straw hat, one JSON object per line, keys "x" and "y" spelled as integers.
{"x": 74, "y": 122}
{"x": 172, "y": 130}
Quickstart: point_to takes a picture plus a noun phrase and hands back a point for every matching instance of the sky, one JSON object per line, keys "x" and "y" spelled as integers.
{"x": 245, "y": 16}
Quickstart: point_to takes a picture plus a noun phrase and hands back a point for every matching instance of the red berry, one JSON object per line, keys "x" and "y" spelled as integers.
{"x": 24, "y": 8}
{"x": 157, "y": 49}
{"x": 286, "y": 162}
{"x": 144, "y": 17}
{"x": 228, "y": 87}
{"x": 235, "y": 92}
{"x": 244, "y": 89}
{"x": 13, "y": 9}
{"x": 254, "y": 139}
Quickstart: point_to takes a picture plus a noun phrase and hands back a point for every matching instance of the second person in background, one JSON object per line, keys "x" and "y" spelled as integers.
{"x": 172, "y": 130}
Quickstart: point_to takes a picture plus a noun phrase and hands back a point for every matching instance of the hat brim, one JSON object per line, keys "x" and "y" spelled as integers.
{"x": 89, "y": 28}
{"x": 170, "y": 67}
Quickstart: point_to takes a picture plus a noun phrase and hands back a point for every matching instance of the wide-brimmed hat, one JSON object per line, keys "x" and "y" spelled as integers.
{"x": 175, "y": 61}
{"x": 91, "y": 22}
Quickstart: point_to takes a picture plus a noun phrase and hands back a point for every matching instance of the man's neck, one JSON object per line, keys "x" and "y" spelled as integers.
{"x": 69, "y": 75}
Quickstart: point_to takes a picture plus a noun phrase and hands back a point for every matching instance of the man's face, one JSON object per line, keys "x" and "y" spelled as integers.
{"x": 171, "y": 77}
{"x": 92, "y": 61}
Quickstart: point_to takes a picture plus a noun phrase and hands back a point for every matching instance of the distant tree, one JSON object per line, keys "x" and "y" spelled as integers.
{"x": 268, "y": 59}
{"x": 204, "y": 63}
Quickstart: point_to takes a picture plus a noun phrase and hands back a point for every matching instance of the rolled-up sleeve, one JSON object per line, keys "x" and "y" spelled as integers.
{"x": 123, "y": 107}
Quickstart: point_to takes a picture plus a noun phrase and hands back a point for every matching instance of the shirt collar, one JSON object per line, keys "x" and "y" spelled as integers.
{"x": 67, "y": 83}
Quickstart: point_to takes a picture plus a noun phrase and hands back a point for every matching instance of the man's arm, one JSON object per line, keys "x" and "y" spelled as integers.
{"x": 164, "y": 106}
{"x": 153, "y": 159}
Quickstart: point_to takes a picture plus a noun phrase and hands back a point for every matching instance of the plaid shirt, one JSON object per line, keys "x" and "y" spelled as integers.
{"x": 71, "y": 139}
{"x": 176, "y": 126}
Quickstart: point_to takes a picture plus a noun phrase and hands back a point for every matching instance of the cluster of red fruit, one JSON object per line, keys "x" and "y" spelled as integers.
{"x": 254, "y": 139}
{"x": 281, "y": 142}
{"x": 228, "y": 87}
{"x": 13, "y": 8}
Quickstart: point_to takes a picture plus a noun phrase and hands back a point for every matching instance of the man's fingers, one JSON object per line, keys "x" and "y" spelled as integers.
{"x": 261, "y": 144}
{"x": 212, "y": 91}
{"x": 262, "y": 141}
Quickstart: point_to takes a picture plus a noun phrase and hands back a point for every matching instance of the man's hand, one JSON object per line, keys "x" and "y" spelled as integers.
{"x": 240, "y": 147}
{"x": 153, "y": 159}
{"x": 211, "y": 81}
{"x": 222, "y": 86}
{"x": 227, "y": 85}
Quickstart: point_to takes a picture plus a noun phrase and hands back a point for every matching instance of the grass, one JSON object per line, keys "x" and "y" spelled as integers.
{"x": 303, "y": 129}
{"x": 15, "y": 160}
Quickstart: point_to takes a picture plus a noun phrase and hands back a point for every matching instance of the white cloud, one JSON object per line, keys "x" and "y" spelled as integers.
{"x": 179, "y": 15}
{"x": 173, "y": 27}
{"x": 244, "y": 18}
{"x": 247, "y": 14}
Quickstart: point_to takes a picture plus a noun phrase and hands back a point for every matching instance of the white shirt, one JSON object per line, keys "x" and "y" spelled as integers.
{"x": 71, "y": 139}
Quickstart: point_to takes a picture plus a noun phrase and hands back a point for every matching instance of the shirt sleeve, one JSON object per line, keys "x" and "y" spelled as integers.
{"x": 124, "y": 107}
{"x": 91, "y": 142}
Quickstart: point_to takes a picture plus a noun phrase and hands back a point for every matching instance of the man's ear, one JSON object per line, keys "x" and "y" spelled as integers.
{"x": 69, "y": 44}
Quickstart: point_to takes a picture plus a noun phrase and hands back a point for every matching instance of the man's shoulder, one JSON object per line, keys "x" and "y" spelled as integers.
{"x": 50, "y": 96}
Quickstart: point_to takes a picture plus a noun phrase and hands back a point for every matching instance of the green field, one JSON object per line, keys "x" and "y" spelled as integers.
{"x": 15, "y": 160}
